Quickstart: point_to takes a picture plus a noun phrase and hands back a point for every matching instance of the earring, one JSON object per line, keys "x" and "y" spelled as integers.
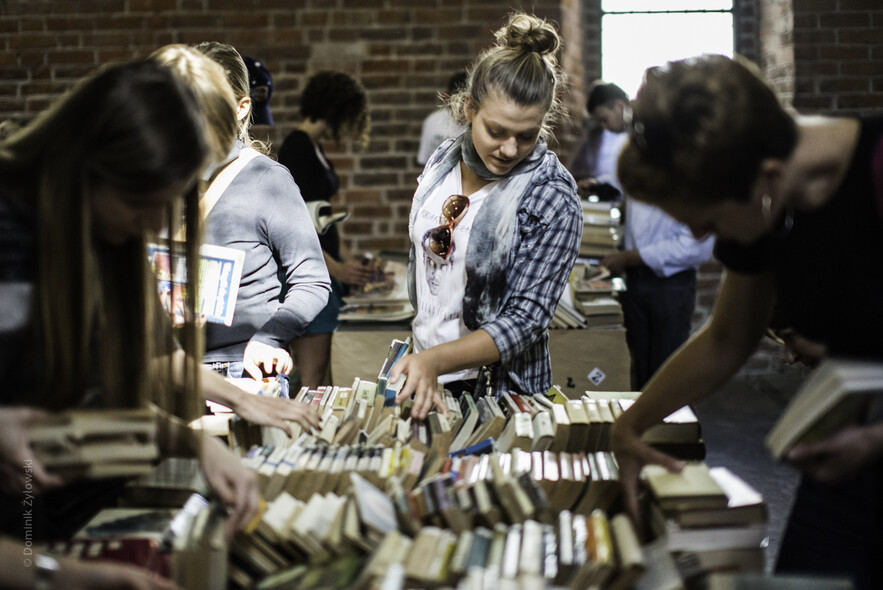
{"x": 766, "y": 206}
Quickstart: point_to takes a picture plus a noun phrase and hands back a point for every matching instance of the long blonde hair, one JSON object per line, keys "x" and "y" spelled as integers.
{"x": 136, "y": 127}
{"x": 209, "y": 84}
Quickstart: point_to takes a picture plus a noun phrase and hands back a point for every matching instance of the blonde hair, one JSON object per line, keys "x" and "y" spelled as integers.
{"x": 522, "y": 64}
{"x": 213, "y": 92}
{"x": 136, "y": 127}
{"x": 236, "y": 71}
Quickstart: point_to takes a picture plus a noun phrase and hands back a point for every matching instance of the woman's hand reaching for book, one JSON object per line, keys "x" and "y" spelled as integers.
{"x": 234, "y": 484}
{"x": 631, "y": 455}
{"x": 839, "y": 456}
{"x": 276, "y": 411}
{"x": 20, "y": 469}
{"x": 421, "y": 382}
{"x": 258, "y": 409}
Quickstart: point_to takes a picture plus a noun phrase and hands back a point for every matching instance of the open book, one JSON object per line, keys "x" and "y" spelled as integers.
{"x": 837, "y": 393}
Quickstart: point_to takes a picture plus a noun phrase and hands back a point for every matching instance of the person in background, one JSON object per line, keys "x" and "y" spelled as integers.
{"x": 595, "y": 162}
{"x": 260, "y": 84}
{"x": 245, "y": 207}
{"x": 790, "y": 198}
{"x": 84, "y": 187}
{"x": 497, "y": 205}
{"x": 334, "y": 107}
{"x": 439, "y": 125}
{"x": 659, "y": 256}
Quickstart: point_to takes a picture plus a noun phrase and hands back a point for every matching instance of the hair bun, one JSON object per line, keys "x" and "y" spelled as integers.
{"x": 529, "y": 33}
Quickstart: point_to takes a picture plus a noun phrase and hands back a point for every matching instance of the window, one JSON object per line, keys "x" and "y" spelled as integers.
{"x": 638, "y": 34}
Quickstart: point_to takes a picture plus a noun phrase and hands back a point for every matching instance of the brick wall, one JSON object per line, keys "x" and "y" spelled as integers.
{"x": 823, "y": 55}
{"x": 402, "y": 51}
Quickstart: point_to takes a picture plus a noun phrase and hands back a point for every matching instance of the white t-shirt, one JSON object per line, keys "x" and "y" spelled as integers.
{"x": 440, "y": 286}
{"x": 437, "y": 127}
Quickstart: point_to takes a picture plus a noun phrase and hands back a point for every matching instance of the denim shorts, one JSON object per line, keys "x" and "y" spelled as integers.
{"x": 236, "y": 370}
{"x": 228, "y": 369}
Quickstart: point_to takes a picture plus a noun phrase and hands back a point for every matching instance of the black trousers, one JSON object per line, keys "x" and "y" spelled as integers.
{"x": 657, "y": 313}
{"x": 836, "y": 530}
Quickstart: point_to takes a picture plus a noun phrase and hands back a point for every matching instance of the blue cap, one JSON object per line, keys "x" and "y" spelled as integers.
{"x": 261, "y": 83}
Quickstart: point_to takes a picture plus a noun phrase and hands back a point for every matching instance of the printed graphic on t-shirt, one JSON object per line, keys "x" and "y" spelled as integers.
{"x": 440, "y": 244}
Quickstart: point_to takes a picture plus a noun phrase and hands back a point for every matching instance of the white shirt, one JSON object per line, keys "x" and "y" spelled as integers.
{"x": 437, "y": 127}
{"x": 441, "y": 286}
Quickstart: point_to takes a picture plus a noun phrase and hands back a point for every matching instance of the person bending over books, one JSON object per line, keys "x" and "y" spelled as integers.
{"x": 497, "y": 207}
{"x": 790, "y": 198}
{"x": 83, "y": 188}
{"x": 252, "y": 205}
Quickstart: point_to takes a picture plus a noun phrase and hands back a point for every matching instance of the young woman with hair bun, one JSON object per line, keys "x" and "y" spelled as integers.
{"x": 497, "y": 207}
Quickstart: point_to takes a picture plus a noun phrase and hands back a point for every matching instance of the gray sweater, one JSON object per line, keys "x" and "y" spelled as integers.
{"x": 263, "y": 214}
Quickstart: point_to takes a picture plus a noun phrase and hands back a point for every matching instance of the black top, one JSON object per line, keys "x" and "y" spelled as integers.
{"x": 828, "y": 265}
{"x": 316, "y": 180}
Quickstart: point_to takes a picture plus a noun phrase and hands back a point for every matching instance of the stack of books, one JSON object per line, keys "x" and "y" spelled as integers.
{"x": 596, "y": 294}
{"x": 602, "y": 228}
{"x": 679, "y": 434}
{"x": 710, "y": 515}
{"x": 384, "y": 298}
{"x": 96, "y": 443}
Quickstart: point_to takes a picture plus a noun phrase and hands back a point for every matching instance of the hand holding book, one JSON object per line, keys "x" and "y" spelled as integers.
{"x": 235, "y": 485}
{"x": 839, "y": 456}
{"x": 632, "y": 454}
{"x": 18, "y": 465}
{"x": 421, "y": 381}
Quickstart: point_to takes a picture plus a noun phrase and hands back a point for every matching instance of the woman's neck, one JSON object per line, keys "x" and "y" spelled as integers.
{"x": 470, "y": 181}
{"x": 824, "y": 151}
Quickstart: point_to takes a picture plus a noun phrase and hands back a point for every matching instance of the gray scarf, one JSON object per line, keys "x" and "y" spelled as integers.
{"x": 492, "y": 232}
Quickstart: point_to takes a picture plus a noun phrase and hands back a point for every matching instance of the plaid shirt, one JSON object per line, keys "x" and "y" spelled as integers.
{"x": 546, "y": 244}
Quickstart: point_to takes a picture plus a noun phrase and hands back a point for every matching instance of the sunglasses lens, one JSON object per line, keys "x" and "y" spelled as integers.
{"x": 440, "y": 241}
{"x": 455, "y": 207}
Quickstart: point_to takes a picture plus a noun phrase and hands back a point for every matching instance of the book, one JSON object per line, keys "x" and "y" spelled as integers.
{"x": 835, "y": 394}
{"x": 65, "y": 429}
{"x": 757, "y": 581}
{"x": 745, "y": 505}
{"x": 692, "y": 488}
{"x": 220, "y": 271}
{"x": 629, "y": 555}
{"x": 96, "y": 443}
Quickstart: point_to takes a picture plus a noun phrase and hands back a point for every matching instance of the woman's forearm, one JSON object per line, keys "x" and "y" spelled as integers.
{"x": 709, "y": 358}
{"x": 469, "y": 352}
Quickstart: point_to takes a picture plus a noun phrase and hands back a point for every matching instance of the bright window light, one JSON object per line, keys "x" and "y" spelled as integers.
{"x": 633, "y": 42}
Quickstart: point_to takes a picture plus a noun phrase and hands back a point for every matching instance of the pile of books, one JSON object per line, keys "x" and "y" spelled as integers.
{"x": 596, "y": 295}
{"x": 519, "y": 539}
{"x": 709, "y": 515}
{"x": 384, "y": 298}
{"x": 373, "y": 475}
{"x": 96, "y": 443}
{"x": 602, "y": 228}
